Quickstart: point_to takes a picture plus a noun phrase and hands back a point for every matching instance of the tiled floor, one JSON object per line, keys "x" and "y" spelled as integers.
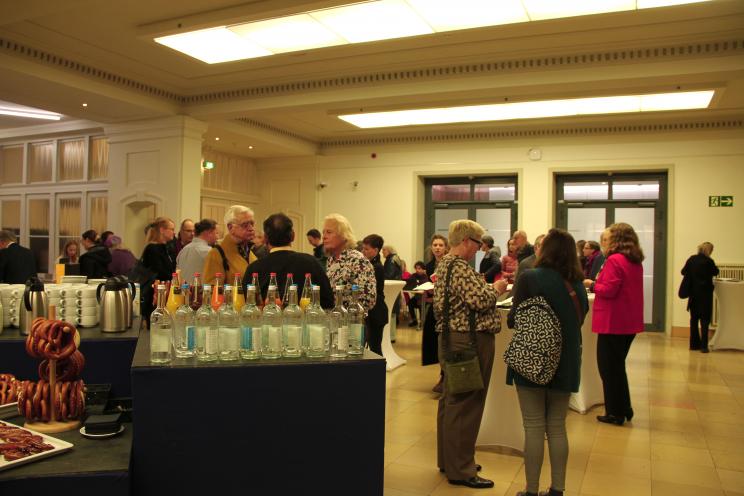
{"x": 687, "y": 436}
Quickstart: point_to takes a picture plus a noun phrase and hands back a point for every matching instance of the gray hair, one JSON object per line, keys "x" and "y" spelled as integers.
{"x": 231, "y": 216}
{"x": 705, "y": 248}
{"x": 459, "y": 230}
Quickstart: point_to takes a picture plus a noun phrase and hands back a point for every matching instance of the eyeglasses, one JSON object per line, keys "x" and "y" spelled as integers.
{"x": 478, "y": 241}
{"x": 246, "y": 225}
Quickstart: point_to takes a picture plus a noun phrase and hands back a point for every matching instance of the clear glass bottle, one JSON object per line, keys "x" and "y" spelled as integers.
{"x": 218, "y": 292}
{"x": 271, "y": 326}
{"x": 195, "y": 299}
{"x": 338, "y": 326}
{"x": 185, "y": 327}
{"x": 307, "y": 292}
{"x": 207, "y": 330}
{"x": 292, "y": 326}
{"x": 254, "y": 282}
{"x": 229, "y": 325}
{"x": 278, "y": 297}
{"x": 317, "y": 336}
{"x": 238, "y": 293}
{"x": 250, "y": 327}
{"x": 356, "y": 323}
{"x": 287, "y": 284}
{"x": 161, "y": 331}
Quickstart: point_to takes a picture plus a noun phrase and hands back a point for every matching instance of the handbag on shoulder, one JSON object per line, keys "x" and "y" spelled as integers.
{"x": 462, "y": 373}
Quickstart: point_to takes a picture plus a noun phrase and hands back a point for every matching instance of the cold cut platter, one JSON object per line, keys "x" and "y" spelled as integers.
{"x": 21, "y": 445}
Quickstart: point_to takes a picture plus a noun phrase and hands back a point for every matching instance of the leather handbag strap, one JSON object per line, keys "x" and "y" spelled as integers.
{"x": 575, "y": 298}
{"x": 225, "y": 264}
{"x": 445, "y": 324}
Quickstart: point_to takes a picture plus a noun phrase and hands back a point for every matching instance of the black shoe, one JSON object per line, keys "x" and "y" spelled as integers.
{"x": 705, "y": 350}
{"x": 413, "y": 324}
{"x": 611, "y": 419}
{"x": 629, "y": 414}
{"x": 478, "y": 468}
{"x": 550, "y": 492}
{"x": 474, "y": 482}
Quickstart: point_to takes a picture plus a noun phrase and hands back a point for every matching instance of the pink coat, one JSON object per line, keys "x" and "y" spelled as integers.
{"x": 618, "y": 302}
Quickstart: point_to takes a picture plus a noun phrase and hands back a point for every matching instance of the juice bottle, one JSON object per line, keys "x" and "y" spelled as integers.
{"x": 238, "y": 293}
{"x": 175, "y": 296}
{"x": 218, "y": 292}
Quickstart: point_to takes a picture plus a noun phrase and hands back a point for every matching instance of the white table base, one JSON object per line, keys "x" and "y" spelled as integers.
{"x": 729, "y": 334}
{"x": 392, "y": 290}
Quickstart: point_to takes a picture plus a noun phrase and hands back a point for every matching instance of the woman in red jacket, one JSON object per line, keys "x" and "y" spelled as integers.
{"x": 617, "y": 316}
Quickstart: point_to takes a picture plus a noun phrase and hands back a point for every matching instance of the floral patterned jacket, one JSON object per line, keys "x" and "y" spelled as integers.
{"x": 467, "y": 291}
{"x": 351, "y": 267}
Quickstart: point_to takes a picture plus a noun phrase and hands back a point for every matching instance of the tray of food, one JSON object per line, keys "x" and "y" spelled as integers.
{"x": 8, "y": 396}
{"x": 19, "y": 446}
{"x": 9, "y": 410}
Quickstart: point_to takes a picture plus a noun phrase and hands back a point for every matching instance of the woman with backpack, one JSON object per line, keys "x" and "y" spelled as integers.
{"x": 557, "y": 278}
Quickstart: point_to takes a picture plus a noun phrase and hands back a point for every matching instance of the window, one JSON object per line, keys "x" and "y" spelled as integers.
{"x": 635, "y": 190}
{"x": 98, "y": 213}
{"x": 40, "y": 159}
{"x": 11, "y": 165}
{"x": 585, "y": 191}
{"x": 99, "y": 158}
{"x": 10, "y": 216}
{"x": 71, "y": 160}
{"x": 450, "y": 192}
{"x": 494, "y": 192}
{"x": 68, "y": 221}
{"x": 38, "y": 231}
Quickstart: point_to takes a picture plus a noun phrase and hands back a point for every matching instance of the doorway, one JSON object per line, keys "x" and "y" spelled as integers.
{"x": 489, "y": 201}
{"x": 587, "y": 204}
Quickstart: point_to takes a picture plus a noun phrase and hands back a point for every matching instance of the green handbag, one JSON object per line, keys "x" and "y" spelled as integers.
{"x": 462, "y": 372}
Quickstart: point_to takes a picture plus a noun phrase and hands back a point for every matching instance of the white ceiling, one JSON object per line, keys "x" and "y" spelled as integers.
{"x": 56, "y": 55}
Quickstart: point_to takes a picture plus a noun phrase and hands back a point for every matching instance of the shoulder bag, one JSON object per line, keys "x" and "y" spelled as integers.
{"x": 462, "y": 372}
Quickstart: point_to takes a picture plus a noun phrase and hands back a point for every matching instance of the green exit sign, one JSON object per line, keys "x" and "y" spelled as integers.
{"x": 721, "y": 201}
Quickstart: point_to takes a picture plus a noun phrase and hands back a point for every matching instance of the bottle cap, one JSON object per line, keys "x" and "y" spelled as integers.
{"x": 307, "y": 274}
{"x": 289, "y": 274}
{"x": 255, "y": 274}
{"x": 355, "y": 288}
{"x": 197, "y": 274}
{"x": 272, "y": 273}
{"x": 219, "y": 274}
{"x": 237, "y": 274}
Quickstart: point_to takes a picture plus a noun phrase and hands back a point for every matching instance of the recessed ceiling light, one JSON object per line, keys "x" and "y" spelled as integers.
{"x": 30, "y": 114}
{"x": 250, "y": 147}
{"x": 376, "y": 20}
{"x": 85, "y": 104}
{"x": 217, "y": 138}
{"x": 533, "y": 110}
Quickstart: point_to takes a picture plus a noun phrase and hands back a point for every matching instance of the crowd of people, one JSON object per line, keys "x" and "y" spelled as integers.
{"x": 462, "y": 314}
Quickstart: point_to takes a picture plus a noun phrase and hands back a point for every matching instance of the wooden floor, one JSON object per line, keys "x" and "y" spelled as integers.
{"x": 687, "y": 436}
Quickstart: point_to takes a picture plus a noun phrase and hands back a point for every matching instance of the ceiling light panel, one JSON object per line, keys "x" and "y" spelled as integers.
{"x": 31, "y": 115}
{"x": 533, "y": 110}
{"x": 447, "y": 15}
{"x": 650, "y": 4}
{"x": 372, "y": 21}
{"x": 553, "y": 9}
{"x": 214, "y": 45}
{"x": 289, "y": 34}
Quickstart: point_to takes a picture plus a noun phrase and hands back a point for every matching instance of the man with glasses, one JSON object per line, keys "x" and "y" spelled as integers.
{"x": 232, "y": 253}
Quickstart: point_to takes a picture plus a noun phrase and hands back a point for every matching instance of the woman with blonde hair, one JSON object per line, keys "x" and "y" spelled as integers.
{"x": 70, "y": 253}
{"x": 346, "y": 266}
{"x": 465, "y": 308}
{"x": 617, "y": 316}
{"x": 698, "y": 272}
{"x": 156, "y": 256}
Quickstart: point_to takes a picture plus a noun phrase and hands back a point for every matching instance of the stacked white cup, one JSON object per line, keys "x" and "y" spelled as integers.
{"x": 12, "y": 298}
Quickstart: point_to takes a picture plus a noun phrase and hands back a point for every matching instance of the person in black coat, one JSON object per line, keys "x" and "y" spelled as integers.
{"x": 698, "y": 273}
{"x": 17, "y": 263}
{"x": 378, "y": 316}
{"x": 158, "y": 258}
{"x": 429, "y": 336}
{"x": 94, "y": 262}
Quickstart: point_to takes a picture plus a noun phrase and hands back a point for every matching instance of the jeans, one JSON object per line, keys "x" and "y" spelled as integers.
{"x": 544, "y": 411}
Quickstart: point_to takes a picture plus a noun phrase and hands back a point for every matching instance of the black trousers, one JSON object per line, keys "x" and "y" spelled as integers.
{"x": 612, "y": 349}
{"x": 698, "y": 339}
{"x": 374, "y": 336}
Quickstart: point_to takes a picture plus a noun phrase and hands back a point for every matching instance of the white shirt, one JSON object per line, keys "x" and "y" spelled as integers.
{"x": 191, "y": 259}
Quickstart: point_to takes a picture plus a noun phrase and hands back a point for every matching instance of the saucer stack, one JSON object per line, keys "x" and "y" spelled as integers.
{"x": 12, "y": 296}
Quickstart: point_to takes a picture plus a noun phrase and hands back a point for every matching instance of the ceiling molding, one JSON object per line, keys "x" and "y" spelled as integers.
{"x": 551, "y": 132}
{"x": 663, "y": 53}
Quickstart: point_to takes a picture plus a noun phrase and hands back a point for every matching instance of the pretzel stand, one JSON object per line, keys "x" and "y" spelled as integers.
{"x": 54, "y": 425}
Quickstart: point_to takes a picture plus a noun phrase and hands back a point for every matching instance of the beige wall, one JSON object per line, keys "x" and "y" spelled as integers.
{"x": 388, "y": 197}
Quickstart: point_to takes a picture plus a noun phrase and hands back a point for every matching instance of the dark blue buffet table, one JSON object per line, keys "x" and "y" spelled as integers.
{"x": 290, "y": 426}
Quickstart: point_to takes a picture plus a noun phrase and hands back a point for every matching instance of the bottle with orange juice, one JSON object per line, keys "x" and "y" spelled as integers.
{"x": 218, "y": 291}
{"x": 175, "y": 295}
{"x": 238, "y": 293}
{"x": 307, "y": 292}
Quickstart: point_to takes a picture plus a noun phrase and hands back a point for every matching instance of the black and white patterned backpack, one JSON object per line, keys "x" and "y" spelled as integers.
{"x": 535, "y": 348}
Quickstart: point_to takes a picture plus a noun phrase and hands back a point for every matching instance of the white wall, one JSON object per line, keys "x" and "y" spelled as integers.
{"x": 389, "y": 197}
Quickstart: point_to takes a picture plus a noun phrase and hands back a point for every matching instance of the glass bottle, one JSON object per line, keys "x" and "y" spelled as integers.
{"x": 307, "y": 291}
{"x": 338, "y": 326}
{"x": 218, "y": 292}
{"x": 254, "y": 282}
{"x": 207, "y": 330}
{"x": 316, "y": 327}
{"x": 272, "y": 282}
{"x": 287, "y": 284}
{"x": 356, "y": 323}
{"x": 292, "y": 326}
{"x": 271, "y": 326}
{"x": 195, "y": 299}
{"x": 185, "y": 327}
{"x": 238, "y": 293}
{"x": 175, "y": 297}
{"x": 250, "y": 327}
{"x": 229, "y": 324}
{"x": 161, "y": 331}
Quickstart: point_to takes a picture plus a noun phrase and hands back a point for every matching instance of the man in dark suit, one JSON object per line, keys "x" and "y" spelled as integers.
{"x": 378, "y": 315}
{"x": 17, "y": 263}
{"x": 282, "y": 259}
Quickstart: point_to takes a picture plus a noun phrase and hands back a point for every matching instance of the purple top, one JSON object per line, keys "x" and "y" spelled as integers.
{"x": 122, "y": 262}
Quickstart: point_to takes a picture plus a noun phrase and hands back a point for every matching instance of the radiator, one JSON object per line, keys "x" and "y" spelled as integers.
{"x": 728, "y": 271}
